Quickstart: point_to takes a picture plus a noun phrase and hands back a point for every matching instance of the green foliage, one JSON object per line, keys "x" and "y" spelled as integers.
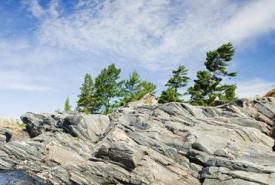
{"x": 86, "y": 99}
{"x": 217, "y": 61}
{"x": 135, "y": 89}
{"x": 67, "y": 105}
{"x": 203, "y": 91}
{"x": 21, "y": 124}
{"x": 229, "y": 93}
{"x": 108, "y": 90}
{"x": 169, "y": 95}
{"x": 178, "y": 80}
{"x": 207, "y": 87}
{"x": 146, "y": 88}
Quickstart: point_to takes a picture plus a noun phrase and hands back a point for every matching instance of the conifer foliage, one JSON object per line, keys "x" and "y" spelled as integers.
{"x": 208, "y": 86}
{"x": 108, "y": 92}
{"x": 86, "y": 101}
{"x": 67, "y": 105}
{"x": 135, "y": 88}
{"x": 178, "y": 80}
{"x": 108, "y": 89}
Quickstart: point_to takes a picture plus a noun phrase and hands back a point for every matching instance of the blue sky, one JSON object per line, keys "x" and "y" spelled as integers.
{"x": 46, "y": 46}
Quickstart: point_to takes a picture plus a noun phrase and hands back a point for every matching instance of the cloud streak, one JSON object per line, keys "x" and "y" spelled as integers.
{"x": 153, "y": 34}
{"x": 11, "y": 80}
{"x": 156, "y": 33}
{"x": 253, "y": 87}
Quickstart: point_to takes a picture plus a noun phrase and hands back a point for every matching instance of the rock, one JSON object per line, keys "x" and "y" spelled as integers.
{"x": 148, "y": 99}
{"x": 18, "y": 178}
{"x": 118, "y": 147}
{"x": 146, "y": 143}
{"x": 270, "y": 93}
{"x": 62, "y": 156}
{"x": 38, "y": 123}
{"x": 11, "y": 130}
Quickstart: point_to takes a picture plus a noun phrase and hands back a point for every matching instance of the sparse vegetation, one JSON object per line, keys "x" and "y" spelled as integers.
{"x": 178, "y": 80}
{"x": 85, "y": 101}
{"x": 108, "y": 91}
{"x": 208, "y": 86}
{"x": 67, "y": 105}
{"x": 135, "y": 89}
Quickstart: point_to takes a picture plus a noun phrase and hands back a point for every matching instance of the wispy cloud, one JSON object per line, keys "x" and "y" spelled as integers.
{"x": 23, "y": 53}
{"x": 11, "y": 80}
{"x": 34, "y": 7}
{"x": 253, "y": 87}
{"x": 155, "y": 33}
{"x": 254, "y": 19}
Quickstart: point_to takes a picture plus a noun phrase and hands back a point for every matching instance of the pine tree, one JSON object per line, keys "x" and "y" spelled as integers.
{"x": 218, "y": 60}
{"x": 208, "y": 87}
{"x": 203, "y": 91}
{"x": 86, "y": 101}
{"x": 146, "y": 88}
{"x": 169, "y": 95}
{"x": 108, "y": 89}
{"x": 178, "y": 80}
{"x": 67, "y": 105}
{"x": 135, "y": 89}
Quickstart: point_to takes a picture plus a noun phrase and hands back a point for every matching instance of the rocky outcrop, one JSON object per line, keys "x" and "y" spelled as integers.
{"x": 11, "y": 129}
{"x": 270, "y": 93}
{"x": 152, "y": 144}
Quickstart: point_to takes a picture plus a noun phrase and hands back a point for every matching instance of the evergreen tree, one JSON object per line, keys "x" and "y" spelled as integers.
{"x": 67, "y": 105}
{"x": 108, "y": 89}
{"x": 169, "y": 95}
{"x": 86, "y": 101}
{"x": 203, "y": 91}
{"x": 146, "y": 88}
{"x": 208, "y": 87}
{"x": 135, "y": 89}
{"x": 178, "y": 80}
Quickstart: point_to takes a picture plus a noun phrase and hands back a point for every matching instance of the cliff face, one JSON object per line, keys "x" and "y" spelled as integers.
{"x": 151, "y": 144}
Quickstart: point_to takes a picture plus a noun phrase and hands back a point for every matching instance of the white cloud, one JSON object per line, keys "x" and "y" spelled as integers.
{"x": 12, "y": 80}
{"x": 156, "y": 33}
{"x": 252, "y": 20}
{"x": 23, "y": 65}
{"x": 39, "y": 11}
{"x": 53, "y": 8}
{"x": 34, "y": 7}
{"x": 21, "y": 52}
{"x": 254, "y": 87}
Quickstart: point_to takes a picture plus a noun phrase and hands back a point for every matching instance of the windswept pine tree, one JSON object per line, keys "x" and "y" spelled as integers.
{"x": 86, "y": 100}
{"x": 108, "y": 89}
{"x": 67, "y": 105}
{"x": 135, "y": 88}
{"x": 208, "y": 87}
{"x": 178, "y": 80}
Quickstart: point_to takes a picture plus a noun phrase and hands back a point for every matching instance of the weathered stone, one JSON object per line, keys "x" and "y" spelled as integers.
{"x": 147, "y": 143}
{"x": 19, "y": 178}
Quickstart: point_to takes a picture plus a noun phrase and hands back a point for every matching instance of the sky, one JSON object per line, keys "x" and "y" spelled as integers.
{"x": 46, "y": 46}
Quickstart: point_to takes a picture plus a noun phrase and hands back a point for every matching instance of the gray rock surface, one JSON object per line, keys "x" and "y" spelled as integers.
{"x": 173, "y": 144}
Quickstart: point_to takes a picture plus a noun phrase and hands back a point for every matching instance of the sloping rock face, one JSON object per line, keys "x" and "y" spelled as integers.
{"x": 270, "y": 93}
{"x": 173, "y": 144}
